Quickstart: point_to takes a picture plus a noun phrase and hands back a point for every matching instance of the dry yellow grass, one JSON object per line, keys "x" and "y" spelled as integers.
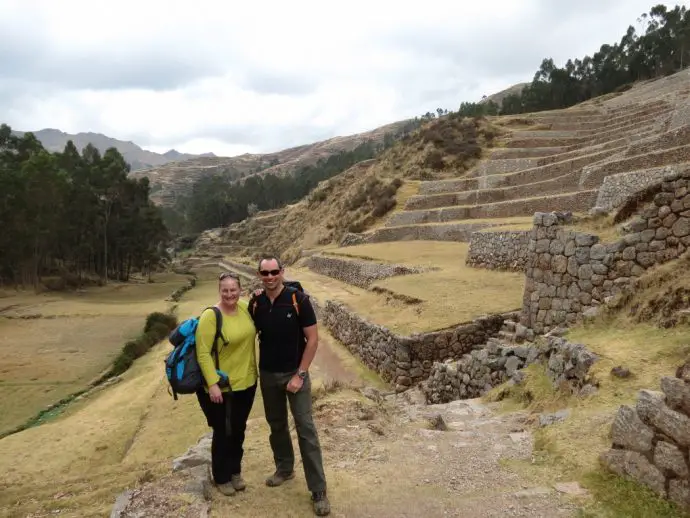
{"x": 408, "y": 189}
{"x": 79, "y": 461}
{"x": 76, "y": 464}
{"x": 69, "y": 339}
{"x": 601, "y": 226}
{"x": 453, "y": 294}
{"x": 569, "y": 450}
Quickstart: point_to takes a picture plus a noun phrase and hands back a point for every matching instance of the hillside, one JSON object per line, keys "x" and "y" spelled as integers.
{"x": 361, "y": 197}
{"x": 171, "y": 180}
{"x": 499, "y": 96}
{"x": 55, "y": 140}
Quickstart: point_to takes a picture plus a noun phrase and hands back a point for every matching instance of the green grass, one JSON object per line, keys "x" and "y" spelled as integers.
{"x": 620, "y": 497}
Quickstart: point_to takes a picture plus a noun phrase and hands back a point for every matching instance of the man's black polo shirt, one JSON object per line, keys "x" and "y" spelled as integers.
{"x": 281, "y": 340}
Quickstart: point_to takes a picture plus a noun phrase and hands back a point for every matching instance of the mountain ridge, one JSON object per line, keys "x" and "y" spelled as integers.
{"x": 138, "y": 158}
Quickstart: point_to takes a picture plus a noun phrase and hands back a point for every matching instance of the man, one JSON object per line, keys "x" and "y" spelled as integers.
{"x": 284, "y": 318}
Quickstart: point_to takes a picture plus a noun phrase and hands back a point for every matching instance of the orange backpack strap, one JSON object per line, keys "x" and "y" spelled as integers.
{"x": 294, "y": 302}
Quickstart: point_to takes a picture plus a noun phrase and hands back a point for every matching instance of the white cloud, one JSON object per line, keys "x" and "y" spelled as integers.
{"x": 228, "y": 78}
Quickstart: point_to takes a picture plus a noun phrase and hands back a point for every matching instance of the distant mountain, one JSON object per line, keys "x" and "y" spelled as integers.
{"x": 177, "y": 178}
{"x": 136, "y": 157}
{"x": 499, "y": 96}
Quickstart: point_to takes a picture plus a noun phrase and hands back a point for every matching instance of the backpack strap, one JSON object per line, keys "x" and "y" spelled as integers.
{"x": 294, "y": 302}
{"x": 219, "y": 334}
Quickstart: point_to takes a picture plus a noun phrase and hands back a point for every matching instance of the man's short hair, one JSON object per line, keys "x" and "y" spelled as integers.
{"x": 269, "y": 257}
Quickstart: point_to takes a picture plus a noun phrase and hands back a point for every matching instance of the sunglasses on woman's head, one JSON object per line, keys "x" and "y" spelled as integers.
{"x": 225, "y": 275}
{"x": 266, "y": 273}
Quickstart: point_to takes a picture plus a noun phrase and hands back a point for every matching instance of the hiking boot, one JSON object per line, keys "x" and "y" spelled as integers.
{"x": 322, "y": 506}
{"x": 227, "y": 489}
{"x": 278, "y": 478}
{"x": 238, "y": 482}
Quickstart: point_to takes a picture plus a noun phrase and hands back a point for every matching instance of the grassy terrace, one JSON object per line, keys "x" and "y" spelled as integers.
{"x": 453, "y": 294}
{"x": 54, "y": 344}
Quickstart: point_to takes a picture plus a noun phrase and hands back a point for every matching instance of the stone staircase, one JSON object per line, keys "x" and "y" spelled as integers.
{"x": 558, "y": 167}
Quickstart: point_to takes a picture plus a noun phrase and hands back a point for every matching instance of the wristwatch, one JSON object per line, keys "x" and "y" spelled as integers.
{"x": 302, "y": 374}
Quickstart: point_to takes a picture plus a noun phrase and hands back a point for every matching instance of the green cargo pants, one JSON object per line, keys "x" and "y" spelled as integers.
{"x": 274, "y": 393}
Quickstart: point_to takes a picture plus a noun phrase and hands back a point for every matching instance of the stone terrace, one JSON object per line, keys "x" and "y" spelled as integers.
{"x": 561, "y": 165}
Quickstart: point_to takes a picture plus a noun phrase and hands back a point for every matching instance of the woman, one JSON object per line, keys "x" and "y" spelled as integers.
{"x": 227, "y": 408}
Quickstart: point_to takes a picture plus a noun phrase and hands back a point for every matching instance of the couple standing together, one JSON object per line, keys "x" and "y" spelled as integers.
{"x": 285, "y": 322}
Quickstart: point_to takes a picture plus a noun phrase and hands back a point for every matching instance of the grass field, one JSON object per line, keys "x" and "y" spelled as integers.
{"x": 77, "y": 463}
{"x": 54, "y": 344}
{"x": 452, "y": 295}
{"x": 569, "y": 450}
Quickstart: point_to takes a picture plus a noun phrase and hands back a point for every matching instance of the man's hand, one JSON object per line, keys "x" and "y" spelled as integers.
{"x": 215, "y": 393}
{"x": 295, "y": 384}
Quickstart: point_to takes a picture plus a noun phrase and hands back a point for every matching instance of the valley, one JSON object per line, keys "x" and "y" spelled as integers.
{"x": 503, "y": 307}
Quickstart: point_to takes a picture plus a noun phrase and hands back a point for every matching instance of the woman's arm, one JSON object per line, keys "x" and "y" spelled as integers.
{"x": 205, "y": 332}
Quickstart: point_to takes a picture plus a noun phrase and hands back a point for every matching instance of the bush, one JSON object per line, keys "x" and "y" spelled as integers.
{"x": 383, "y": 206}
{"x": 166, "y": 319}
{"x": 158, "y": 325}
{"x": 434, "y": 160}
{"x": 159, "y": 331}
{"x": 121, "y": 364}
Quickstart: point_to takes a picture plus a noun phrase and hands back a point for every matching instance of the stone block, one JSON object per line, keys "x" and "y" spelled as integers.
{"x": 629, "y": 432}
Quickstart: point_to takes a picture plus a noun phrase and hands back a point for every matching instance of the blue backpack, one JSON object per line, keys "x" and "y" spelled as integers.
{"x": 181, "y": 366}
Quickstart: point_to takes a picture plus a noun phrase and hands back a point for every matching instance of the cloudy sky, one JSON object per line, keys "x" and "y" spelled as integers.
{"x": 216, "y": 76}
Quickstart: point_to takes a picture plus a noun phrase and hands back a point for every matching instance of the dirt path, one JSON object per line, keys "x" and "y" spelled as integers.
{"x": 384, "y": 459}
{"x": 328, "y": 365}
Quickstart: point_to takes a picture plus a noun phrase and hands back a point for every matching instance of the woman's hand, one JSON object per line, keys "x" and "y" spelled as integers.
{"x": 215, "y": 393}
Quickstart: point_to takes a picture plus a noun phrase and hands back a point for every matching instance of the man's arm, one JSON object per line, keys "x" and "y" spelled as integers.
{"x": 312, "y": 334}
{"x": 307, "y": 319}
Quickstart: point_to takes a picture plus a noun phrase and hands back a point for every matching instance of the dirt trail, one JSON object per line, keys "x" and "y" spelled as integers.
{"x": 399, "y": 467}
{"x": 383, "y": 459}
{"x": 328, "y": 364}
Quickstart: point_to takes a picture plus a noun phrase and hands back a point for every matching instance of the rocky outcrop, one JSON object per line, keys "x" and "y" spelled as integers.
{"x": 505, "y": 250}
{"x": 404, "y": 360}
{"x": 186, "y": 492}
{"x": 486, "y": 366}
{"x": 570, "y": 274}
{"x": 356, "y": 272}
{"x": 650, "y": 441}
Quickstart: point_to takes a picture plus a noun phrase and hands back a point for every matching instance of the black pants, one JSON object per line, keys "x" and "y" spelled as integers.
{"x": 227, "y": 448}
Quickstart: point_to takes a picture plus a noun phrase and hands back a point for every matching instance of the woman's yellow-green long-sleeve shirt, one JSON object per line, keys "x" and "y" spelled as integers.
{"x": 238, "y": 357}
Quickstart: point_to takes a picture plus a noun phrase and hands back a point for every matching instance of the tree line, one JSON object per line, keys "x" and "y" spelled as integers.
{"x": 217, "y": 200}
{"x": 73, "y": 216}
{"x": 661, "y": 50}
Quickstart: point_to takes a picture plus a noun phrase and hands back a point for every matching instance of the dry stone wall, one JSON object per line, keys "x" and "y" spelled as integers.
{"x": 357, "y": 273}
{"x": 488, "y": 366}
{"x": 505, "y": 250}
{"x": 619, "y": 187}
{"x": 593, "y": 176}
{"x": 650, "y": 441}
{"x": 447, "y": 232}
{"x": 570, "y": 273}
{"x": 404, "y": 360}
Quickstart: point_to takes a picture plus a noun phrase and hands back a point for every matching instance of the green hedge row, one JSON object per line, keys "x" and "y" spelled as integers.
{"x": 158, "y": 326}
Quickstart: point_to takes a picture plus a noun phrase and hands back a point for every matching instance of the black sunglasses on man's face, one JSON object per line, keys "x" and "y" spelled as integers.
{"x": 266, "y": 273}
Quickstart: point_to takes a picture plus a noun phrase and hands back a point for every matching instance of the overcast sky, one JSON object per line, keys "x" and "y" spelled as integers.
{"x": 216, "y": 76}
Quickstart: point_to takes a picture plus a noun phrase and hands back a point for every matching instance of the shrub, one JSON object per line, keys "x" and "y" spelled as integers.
{"x": 434, "y": 160}
{"x": 159, "y": 331}
{"x": 168, "y": 320}
{"x": 383, "y": 206}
